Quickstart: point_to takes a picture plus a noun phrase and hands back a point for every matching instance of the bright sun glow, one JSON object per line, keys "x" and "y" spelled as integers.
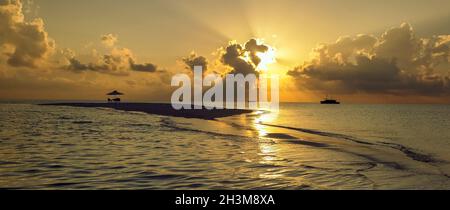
{"x": 267, "y": 58}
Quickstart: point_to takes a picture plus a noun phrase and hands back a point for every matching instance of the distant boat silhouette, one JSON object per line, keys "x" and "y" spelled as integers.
{"x": 329, "y": 100}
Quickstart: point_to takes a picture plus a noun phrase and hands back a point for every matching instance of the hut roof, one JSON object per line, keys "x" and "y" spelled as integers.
{"x": 115, "y": 93}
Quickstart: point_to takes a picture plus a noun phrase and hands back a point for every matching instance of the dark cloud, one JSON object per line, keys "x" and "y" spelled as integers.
{"x": 252, "y": 47}
{"x": 115, "y": 63}
{"x": 399, "y": 43}
{"x": 76, "y": 65}
{"x": 119, "y": 62}
{"x": 27, "y": 43}
{"x": 194, "y": 60}
{"x": 395, "y": 63}
{"x": 235, "y": 56}
{"x": 146, "y": 67}
{"x": 345, "y": 47}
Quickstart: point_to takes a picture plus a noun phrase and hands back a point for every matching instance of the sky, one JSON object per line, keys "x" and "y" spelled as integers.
{"x": 394, "y": 51}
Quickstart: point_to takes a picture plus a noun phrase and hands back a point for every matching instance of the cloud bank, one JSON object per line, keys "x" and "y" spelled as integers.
{"x": 23, "y": 43}
{"x": 119, "y": 61}
{"x": 396, "y": 63}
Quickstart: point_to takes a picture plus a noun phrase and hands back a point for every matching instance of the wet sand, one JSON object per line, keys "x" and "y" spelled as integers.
{"x": 160, "y": 109}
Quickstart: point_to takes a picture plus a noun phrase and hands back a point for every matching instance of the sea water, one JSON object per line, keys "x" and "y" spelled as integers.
{"x": 303, "y": 146}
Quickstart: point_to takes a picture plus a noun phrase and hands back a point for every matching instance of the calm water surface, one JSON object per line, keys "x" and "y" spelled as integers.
{"x": 303, "y": 146}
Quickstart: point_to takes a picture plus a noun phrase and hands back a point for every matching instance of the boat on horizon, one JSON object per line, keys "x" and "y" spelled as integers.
{"x": 328, "y": 100}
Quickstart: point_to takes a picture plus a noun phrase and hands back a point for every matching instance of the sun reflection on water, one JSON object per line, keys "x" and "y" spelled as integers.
{"x": 264, "y": 117}
{"x": 268, "y": 149}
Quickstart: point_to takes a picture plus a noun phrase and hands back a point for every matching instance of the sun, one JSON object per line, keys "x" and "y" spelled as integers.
{"x": 267, "y": 58}
{"x": 266, "y": 55}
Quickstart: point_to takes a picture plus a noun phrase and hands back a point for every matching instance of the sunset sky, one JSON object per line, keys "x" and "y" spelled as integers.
{"x": 382, "y": 51}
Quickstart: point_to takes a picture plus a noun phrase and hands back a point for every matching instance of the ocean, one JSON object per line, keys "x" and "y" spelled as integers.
{"x": 301, "y": 147}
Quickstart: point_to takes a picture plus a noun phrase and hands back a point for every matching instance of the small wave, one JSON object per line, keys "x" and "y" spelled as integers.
{"x": 308, "y": 143}
{"x": 31, "y": 171}
{"x": 407, "y": 151}
{"x": 8, "y": 163}
{"x": 62, "y": 184}
{"x": 279, "y": 136}
{"x": 170, "y": 124}
{"x": 294, "y": 140}
{"x": 55, "y": 166}
{"x": 321, "y": 133}
{"x": 412, "y": 154}
{"x": 64, "y": 118}
{"x": 138, "y": 125}
{"x": 82, "y": 122}
{"x": 153, "y": 175}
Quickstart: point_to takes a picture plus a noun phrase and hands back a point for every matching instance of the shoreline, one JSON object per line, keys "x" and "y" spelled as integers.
{"x": 160, "y": 109}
